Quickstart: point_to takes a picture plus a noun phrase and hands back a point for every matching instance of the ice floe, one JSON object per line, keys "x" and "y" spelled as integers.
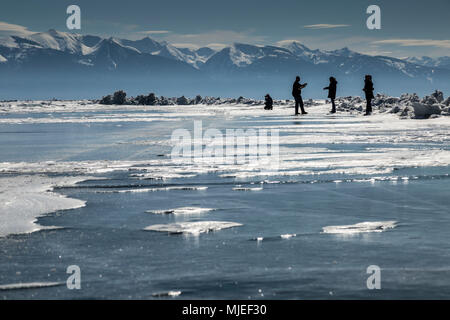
{"x": 25, "y": 198}
{"x": 375, "y": 226}
{"x": 247, "y": 189}
{"x": 196, "y": 227}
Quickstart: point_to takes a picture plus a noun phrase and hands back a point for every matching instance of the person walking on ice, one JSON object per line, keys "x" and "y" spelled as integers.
{"x": 297, "y": 94}
{"x": 332, "y": 93}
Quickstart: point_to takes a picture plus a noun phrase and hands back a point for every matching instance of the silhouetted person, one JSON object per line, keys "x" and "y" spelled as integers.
{"x": 368, "y": 89}
{"x": 297, "y": 94}
{"x": 268, "y": 105}
{"x": 332, "y": 93}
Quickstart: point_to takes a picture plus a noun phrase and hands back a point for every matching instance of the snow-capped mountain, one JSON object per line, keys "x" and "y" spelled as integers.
{"x": 239, "y": 69}
{"x": 440, "y": 62}
{"x": 52, "y": 39}
{"x": 295, "y": 56}
{"x": 241, "y": 55}
{"x": 61, "y": 41}
{"x": 196, "y": 57}
{"x": 84, "y": 44}
{"x": 112, "y": 55}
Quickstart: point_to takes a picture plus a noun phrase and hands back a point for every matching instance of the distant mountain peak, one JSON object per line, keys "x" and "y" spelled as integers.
{"x": 293, "y": 45}
{"x": 346, "y": 52}
{"x": 112, "y": 43}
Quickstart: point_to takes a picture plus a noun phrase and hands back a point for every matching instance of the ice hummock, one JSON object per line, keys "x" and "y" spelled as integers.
{"x": 375, "y": 226}
{"x": 405, "y": 106}
{"x": 196, "y": 227}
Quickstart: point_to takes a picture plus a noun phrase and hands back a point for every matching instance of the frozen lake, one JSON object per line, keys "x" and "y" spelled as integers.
{"x": 94, "y": 186}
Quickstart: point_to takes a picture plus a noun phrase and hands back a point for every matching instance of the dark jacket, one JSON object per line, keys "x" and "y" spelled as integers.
{"x": 297, "y": 89}
{"x": 268, "y": 102}
{"x": 332, "y": 89}
{"x": 368, "y": 89}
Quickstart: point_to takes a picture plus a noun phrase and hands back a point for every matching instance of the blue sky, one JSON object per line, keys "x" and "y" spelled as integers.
{"x": 409, "y": 28}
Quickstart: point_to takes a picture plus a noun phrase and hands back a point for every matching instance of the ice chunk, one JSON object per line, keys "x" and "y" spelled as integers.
{"x": 375, "y": 226}
{"x": 196, "y": 227}
{"x": 247, "y": 189}
{"x": 287, "y": 236}
{"x": 424, "y": 111}
{"x": 182, "y": 210}
{"x": 167, "y": 294}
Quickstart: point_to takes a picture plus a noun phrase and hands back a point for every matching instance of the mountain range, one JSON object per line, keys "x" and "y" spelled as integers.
{"x": 57, "y": 64}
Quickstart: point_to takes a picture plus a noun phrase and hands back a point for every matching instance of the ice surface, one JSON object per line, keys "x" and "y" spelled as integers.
{"x": 24, "y": 198}
{"x": 311, "y": 147}
{"x": 375, "y": 226}
{"x": 196, "y": 227}
{"x": 301, "y": 150}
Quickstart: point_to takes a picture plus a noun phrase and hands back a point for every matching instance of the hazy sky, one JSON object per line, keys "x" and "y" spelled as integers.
{"x": 409, "y": 28}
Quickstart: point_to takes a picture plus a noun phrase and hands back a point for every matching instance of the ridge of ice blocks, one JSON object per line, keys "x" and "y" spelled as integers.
{"x": 375, "y": 226}
{"x": 182, "y": 210}
{"x": 196, "y": 227}
{"x": 25, "y": 198}
{"x": 29, "y": 285}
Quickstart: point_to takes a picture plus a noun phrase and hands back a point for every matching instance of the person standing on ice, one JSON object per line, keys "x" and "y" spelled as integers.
{"x": 332, "y": 93}
{"x": 368, "y": 89}
{"x": 297, "y": 94}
